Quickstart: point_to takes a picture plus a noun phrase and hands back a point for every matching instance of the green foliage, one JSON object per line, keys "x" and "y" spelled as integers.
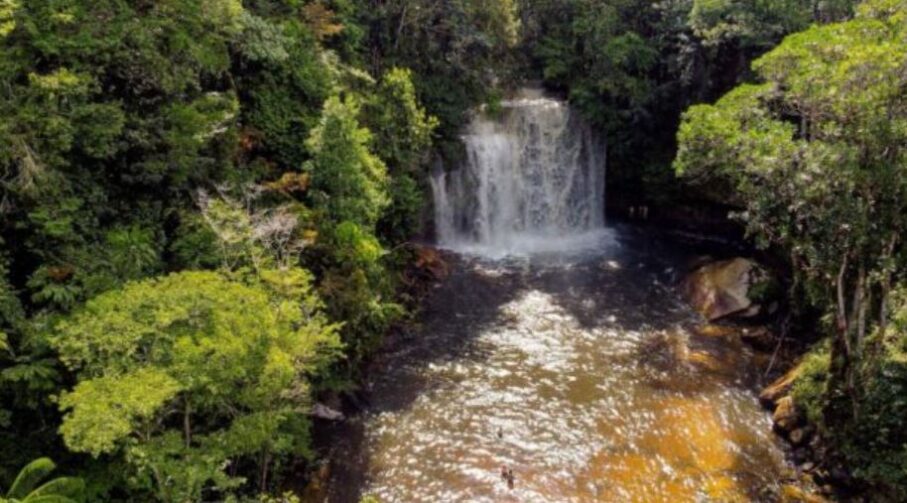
{"x": 232, "y": 360}
{"x": 403, "y": 133}
{"x": 401, "y": 126}
{"x": 816, "y": 155}
{"x": 597, "y": 54}
{"x": 285, "y": 79}
{"x": 633, "y": 67}
{"x": 118, "y": 119}
{"x": 26, "y": 489}
{"x": 874, "y": 444}
{"x": 456, "y": 50}
{"x": 758, "y": 24}
{"x": 827, "y": 185}
{"x": 809, "y": 390}
{"x": 348, "y": 181}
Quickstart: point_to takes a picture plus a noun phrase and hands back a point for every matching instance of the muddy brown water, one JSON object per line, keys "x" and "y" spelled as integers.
{"x": 583, "y": 373}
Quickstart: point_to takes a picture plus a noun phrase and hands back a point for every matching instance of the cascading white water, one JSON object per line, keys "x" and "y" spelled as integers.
{"x": 533, "y": 180}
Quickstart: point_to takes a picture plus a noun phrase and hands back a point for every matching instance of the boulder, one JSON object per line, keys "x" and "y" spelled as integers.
{"x": 786, "y": 416}
{"x": 790, "y": 493}
{"x": 721, "y": 289}
{"x": 780, "y": 388}
{"x": 759, "y": 337}
{"x": 429, "y": 259}
{"x": 322, "y": 411}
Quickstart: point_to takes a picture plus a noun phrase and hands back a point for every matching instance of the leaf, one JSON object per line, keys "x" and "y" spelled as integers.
{"x": 105, "y": 410}
{"x": 67, "y": 487}
{"x": 29, "y": 477}
{"x": 50, "y": 498}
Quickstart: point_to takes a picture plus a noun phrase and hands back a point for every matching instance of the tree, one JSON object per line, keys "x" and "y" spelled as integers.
{"x": 816, "y": 153}
{"x": 186, "y": 375}
{"x": 348, "y": 195}
{"x": 347, "y": 180}
{"x": 403, "y": 133}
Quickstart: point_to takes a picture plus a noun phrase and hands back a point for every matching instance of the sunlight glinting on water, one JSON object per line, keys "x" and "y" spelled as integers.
{"x": 573, "y": 411}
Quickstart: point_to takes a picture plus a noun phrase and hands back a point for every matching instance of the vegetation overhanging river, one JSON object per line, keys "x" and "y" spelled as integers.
{"x": 584, "y": 373}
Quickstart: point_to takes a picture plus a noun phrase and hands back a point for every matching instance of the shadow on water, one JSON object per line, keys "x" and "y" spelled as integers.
{"x": 462, "y": 306}
{"x": 585, "y": 375}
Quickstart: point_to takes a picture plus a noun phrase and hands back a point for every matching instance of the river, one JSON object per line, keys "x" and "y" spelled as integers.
{"x": 585, "y": 374}
{"x": 557, "y": 348}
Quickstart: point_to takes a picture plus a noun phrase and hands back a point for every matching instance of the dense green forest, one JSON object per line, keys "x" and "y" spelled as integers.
{"x": 206, "y": 206}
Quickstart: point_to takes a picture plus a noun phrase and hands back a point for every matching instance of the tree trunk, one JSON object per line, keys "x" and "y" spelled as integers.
{"x": 187, "y": 423}
{"x": 839, "y": 410}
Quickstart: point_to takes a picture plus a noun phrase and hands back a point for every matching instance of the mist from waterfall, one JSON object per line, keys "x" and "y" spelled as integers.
{"x": 533, "y": 181}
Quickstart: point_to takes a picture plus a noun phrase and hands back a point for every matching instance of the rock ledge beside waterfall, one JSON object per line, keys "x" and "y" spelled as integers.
{"x": 722, "y": 289}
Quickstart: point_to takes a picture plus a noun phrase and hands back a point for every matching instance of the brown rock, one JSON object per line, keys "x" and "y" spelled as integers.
{"x": 430, "y": 260}
{"x": 780, "y": 388}
{"x": 793, "y": 494}
{"x": 718, "y": 331}
{"x": 319, "y": 483}
{"x": 720, "y": 289}
{"x": 798, "y": 435}
{"x": 760, "y": 337}
{"x": 786, "y": 416}
{"x": 708, "y": 362}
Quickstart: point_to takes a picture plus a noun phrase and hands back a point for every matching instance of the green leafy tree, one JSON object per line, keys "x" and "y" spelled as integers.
{"x": 190, "y": 373}
{"x": 451, "y": 48}
{"x": 403, "y": 132}
{"x": 113, "y": 113}
{"x": 816, "y": 154}
{"x": 348, "y": 181}
{"x": 348, "y": 195}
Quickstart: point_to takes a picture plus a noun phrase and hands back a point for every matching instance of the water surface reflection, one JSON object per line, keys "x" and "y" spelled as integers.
{"x": 586, "y": 375}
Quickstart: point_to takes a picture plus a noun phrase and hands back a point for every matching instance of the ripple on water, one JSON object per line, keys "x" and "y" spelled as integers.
{"x": 583, "y": 408}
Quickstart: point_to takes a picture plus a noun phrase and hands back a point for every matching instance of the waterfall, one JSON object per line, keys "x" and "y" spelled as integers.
{"x": 533, "y": 180}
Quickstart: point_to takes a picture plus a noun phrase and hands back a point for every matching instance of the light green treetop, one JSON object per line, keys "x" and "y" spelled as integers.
{"x": 229, "y": 360}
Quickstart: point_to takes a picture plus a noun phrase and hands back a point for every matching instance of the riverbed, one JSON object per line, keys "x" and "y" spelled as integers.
{"x": 581, "y": 371}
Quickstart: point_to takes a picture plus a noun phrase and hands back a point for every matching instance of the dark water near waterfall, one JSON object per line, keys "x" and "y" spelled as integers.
{"x": 582, "y": 372}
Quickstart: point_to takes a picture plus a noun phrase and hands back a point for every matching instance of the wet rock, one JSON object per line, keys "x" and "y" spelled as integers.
{"x": 322, "y": 411}
{"x": 780, "y": 388}
{"x": 705, "y": 361}
{"x": 798, "y": 436}
{"x": 319, "y": 483}
{"x": 759, "y": 338}
{"x": 430, "y": 262}
{"x": 718, "y": 331}
{"x": 721, "y": 289}
{"x": 794, "y": 494}
{"x": 786, "y": 416}
{"x": 698, "y": 261}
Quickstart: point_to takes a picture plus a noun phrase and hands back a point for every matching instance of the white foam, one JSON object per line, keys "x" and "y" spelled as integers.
{"x": 533, "y": 182}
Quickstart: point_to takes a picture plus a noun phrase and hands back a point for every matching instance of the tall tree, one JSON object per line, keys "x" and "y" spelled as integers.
{"x": 816, "y": 153}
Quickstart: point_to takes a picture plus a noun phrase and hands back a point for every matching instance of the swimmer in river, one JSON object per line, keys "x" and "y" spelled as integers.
{"x": 507, "y": 475}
